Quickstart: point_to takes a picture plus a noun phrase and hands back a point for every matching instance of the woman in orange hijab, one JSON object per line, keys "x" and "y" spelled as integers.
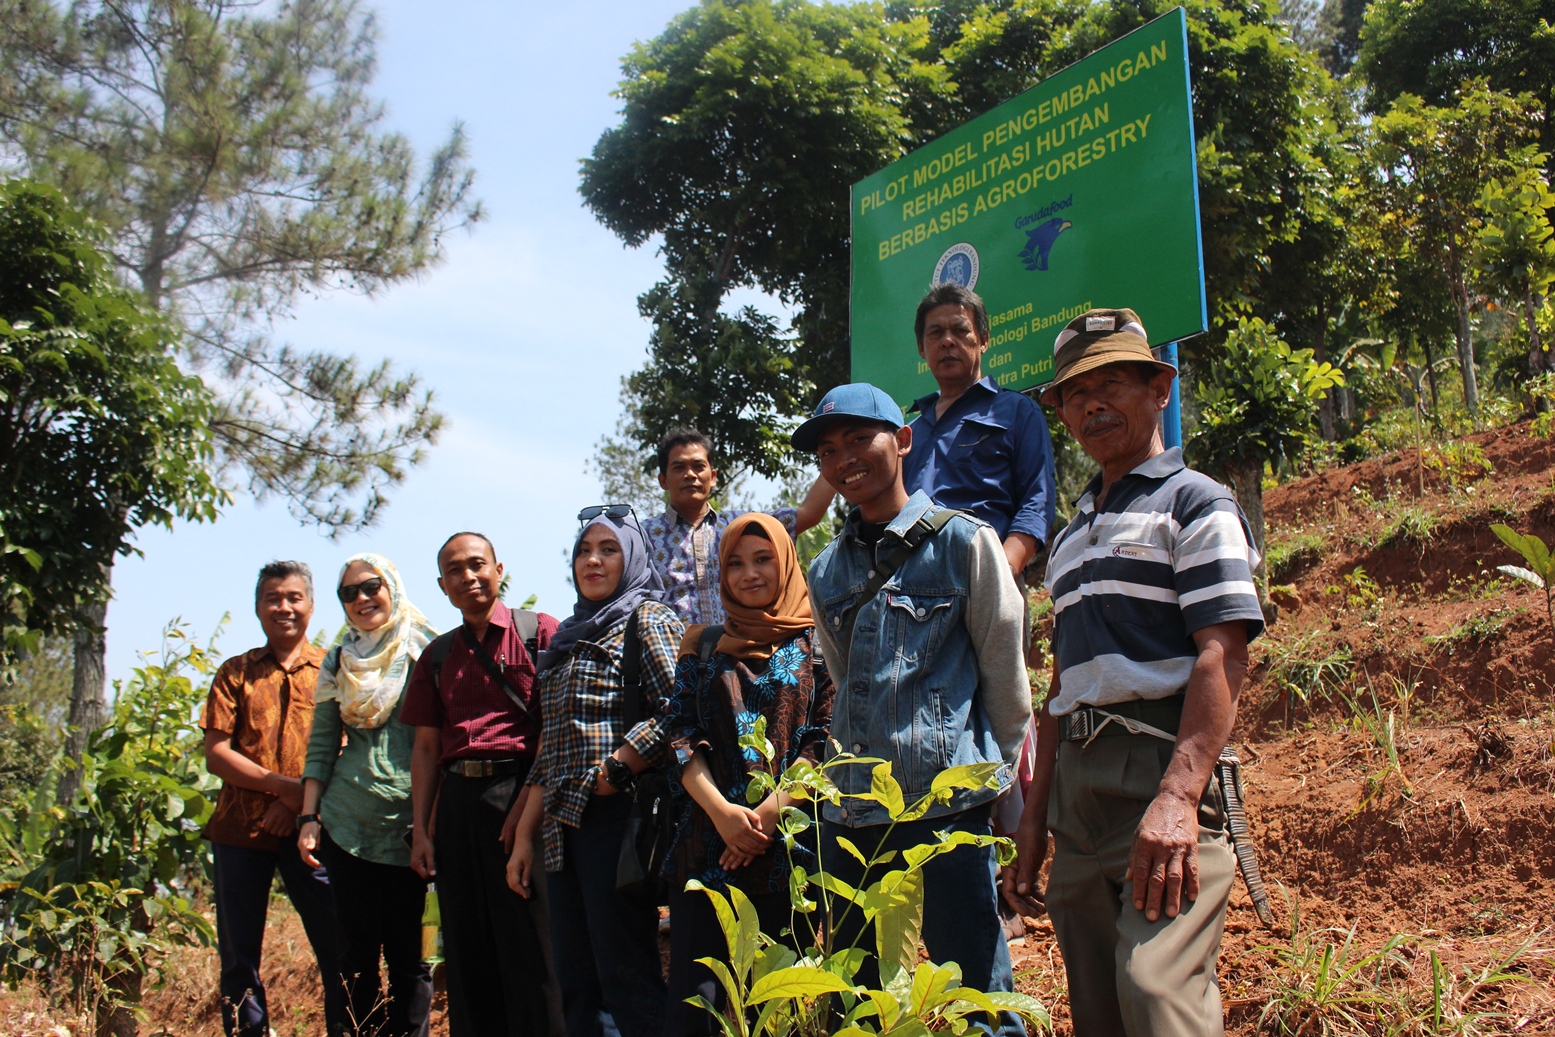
{"x": 760, "y": 665}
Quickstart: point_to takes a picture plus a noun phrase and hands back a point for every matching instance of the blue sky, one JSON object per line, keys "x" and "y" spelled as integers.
{"x": 524, "y": 332}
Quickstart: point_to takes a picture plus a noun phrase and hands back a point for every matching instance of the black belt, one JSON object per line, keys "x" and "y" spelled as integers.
{"x": 487, "y": 768}
{"x": 1087, "y": 722}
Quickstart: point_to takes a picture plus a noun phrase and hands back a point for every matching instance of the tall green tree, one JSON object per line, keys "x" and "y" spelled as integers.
{"x": 1330, "y": 276}
{"x": 1429, "y": 49}
{"x": 100, "y": 430}
{"x": 237, "y": 159}
{"x": 1515, "y": 253}
{"x": 1257, "y": 404}
{"x": 1249, "y": 81}
{"x": 1431, "y": 165}
{"x": 743, "y": 125}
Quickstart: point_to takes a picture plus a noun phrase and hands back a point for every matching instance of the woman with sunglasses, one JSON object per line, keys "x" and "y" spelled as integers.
{"x": 356, "y": 799}
{"x": 605, "y": 941}
{"x": 758, "y": 666}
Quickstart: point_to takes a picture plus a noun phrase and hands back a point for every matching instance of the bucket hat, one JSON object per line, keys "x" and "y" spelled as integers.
{"x": 1096, "y": 338}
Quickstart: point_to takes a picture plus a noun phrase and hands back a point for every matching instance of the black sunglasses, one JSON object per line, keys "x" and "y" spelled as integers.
{"x": 367, "y": 588}
{"x": 610, "y": 511}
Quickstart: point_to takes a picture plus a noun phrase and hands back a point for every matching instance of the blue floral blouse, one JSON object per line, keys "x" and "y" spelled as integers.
{"x": 793, "y": 691}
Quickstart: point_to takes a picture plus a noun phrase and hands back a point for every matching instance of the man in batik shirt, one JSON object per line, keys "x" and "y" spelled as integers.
{"x": 683, "y": 542}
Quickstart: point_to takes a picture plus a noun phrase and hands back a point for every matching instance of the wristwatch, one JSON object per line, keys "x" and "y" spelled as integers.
{"x": 618, "y": 774}
{"x": 303, "y": 819}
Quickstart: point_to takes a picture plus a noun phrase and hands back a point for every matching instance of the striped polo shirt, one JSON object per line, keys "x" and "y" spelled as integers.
{"x": 1168, "y": 554}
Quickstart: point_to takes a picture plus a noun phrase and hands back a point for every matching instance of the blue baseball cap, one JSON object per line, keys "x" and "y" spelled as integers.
{"x": 854, "y": 400}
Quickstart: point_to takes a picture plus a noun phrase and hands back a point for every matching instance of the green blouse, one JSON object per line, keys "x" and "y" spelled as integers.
{"x": 366, "y": 802}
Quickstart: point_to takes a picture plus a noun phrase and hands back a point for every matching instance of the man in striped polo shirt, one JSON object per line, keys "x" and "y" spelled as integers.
{"x": 1154, "y": 605}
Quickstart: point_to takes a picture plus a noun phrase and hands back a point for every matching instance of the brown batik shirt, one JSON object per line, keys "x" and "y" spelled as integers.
{"x": 268, "y": 712}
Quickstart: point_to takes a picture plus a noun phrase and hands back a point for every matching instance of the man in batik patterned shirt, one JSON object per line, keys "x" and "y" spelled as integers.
{"x": 683, "y": 542}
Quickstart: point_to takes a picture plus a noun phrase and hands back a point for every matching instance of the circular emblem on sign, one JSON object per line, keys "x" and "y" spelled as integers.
{"x": 957, "y": 266}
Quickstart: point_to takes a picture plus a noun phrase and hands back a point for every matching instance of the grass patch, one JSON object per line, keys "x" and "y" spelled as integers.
{"x": 1303, "y": 668}
{"x": 1284, "y": 556}
{"x": 1324, "y": 982}
{"x": 1474, "y": 630}
{"x": 1412, "y": 526}
{"x": 1381, "y": 727}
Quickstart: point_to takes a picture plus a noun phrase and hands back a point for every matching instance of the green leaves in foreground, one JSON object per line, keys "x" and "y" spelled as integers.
{"x": 95, "y": 891}
{"x": 1540, "y": 571}
{"x": 776, "y": 991}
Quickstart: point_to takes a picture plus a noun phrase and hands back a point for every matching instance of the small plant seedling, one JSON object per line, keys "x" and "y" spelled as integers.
{"x": 1361, "y": 590}
{"x": 1540, "y": 571}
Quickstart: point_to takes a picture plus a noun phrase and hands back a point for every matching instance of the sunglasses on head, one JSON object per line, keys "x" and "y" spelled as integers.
{"x": 367, "y": 588}
{"x": 610, "y": 511}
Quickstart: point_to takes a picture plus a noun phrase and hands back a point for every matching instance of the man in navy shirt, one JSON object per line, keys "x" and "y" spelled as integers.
{"x": 977, "y": 447}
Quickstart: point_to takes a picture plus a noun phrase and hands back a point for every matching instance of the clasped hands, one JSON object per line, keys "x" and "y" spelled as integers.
{"x": 746, "y": 831}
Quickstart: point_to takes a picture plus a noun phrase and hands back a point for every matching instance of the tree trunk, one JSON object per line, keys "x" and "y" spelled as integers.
{"x": 1466, "y": 358}
{"x": 116, "y": 1013}
{"x": 1430, "y": 375}
{"x": 1539, "y": 361}
{"x": 1247, "y": 482}
{"x": 1325, "y": 402}
{"x": 86, "y": 692}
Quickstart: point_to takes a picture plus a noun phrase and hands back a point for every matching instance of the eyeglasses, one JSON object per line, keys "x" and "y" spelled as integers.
{"x": 610, "y": 511}
{"x": 367, "y": 588}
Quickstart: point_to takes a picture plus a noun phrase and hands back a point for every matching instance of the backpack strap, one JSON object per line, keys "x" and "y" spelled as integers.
{"x": 526, "y": 622}
{"x": 929, "y": 523}
{"x": 436, "y": 653}
{"x": 632, "y": 673}
{"x": 707, "y": 643}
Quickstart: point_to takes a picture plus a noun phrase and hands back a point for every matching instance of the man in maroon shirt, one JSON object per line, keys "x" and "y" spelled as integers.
{"x": 476, "y": 736}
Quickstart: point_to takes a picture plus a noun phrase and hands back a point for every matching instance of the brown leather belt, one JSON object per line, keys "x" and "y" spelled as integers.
{"x": 485, "y": 768}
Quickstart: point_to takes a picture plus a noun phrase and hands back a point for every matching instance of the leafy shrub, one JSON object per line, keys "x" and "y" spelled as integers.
{"x": 97, "y": 889}
{"x": 1459, "y": 462}
{"x": 774, "y": 992}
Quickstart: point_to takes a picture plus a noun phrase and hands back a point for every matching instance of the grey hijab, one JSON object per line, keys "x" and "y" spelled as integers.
{"x": 591, "y": 620}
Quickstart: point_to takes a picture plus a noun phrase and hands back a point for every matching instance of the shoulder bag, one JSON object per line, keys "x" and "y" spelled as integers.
{"x": 650, "y": 827}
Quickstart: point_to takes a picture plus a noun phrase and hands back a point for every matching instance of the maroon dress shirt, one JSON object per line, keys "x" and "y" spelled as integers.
{"x": 477, "y": 719}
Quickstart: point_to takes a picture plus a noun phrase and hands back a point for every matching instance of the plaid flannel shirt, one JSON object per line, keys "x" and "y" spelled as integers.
{"x": 584, "y": 717}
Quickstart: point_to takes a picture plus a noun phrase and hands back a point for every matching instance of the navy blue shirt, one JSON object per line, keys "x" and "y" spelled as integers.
{"x": 990, "y": 455}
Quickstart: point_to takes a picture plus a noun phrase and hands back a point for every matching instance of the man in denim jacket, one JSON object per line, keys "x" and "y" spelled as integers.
{"x": 929, "y": 673}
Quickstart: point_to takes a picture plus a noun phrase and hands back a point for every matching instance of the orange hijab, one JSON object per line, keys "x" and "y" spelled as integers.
{"x": 751, "y": 633}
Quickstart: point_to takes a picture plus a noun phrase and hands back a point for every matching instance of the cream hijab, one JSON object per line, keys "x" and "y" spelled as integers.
{"x": 362, "y": 681}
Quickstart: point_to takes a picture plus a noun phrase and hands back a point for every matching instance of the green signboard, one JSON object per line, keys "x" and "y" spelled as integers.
{"x": 1080, "y": 192}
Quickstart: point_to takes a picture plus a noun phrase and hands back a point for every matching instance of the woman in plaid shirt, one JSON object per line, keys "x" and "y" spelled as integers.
{"x": 605, "y": 941}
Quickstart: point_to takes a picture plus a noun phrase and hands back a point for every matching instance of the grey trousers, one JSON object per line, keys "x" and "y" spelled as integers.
{"x": 1127, "y": 975}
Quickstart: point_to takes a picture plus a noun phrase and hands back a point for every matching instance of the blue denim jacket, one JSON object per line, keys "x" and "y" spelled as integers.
{"x": 908, "y": 684}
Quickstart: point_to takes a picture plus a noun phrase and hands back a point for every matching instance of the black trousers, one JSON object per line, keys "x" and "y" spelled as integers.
{"x": 697, "y": 934}
{"x": 606, "y": 942}
{"x": 496, "y": 969}
{"x": 378, "y": 910}
{"x": 242, "y": 893}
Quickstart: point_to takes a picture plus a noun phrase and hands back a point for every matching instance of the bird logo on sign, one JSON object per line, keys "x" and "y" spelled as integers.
{"x": 1039, "y": 242}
